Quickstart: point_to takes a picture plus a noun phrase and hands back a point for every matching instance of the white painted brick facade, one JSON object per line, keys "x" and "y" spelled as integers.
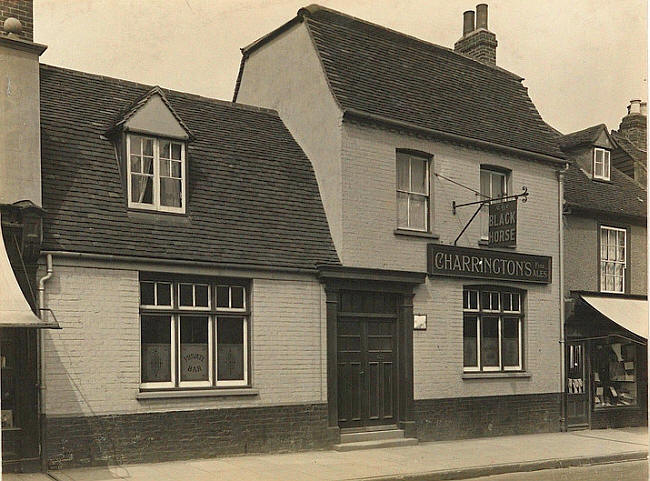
{"x": 92, "y": 365}
{"x": 369, "y": 221}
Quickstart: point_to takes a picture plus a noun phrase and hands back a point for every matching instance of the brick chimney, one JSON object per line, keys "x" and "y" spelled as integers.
{"x": 20, "y": 135}
{"x": 634, "y": 125}
{"x": 23, "y": 10}
{"x": 477, "y": 41}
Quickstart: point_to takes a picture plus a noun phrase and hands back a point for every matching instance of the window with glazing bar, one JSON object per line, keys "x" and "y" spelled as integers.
{"x": 492, "y": 329}
{"x": 413, "y": 191}
{"x": 612, "y": 259}
{"x": 194, "y": 333}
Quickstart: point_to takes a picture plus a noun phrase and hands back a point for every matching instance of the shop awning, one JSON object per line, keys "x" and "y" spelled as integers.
{"x": 631, "y": 314}
{"x": 14, "y": 309}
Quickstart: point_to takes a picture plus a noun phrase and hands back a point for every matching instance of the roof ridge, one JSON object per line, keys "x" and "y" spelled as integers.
{"x": 313, "y": 8}
{"x": 150, "y": 88}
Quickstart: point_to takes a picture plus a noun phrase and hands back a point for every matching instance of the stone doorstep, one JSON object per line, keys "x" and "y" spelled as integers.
{"x": 495, "y": 469}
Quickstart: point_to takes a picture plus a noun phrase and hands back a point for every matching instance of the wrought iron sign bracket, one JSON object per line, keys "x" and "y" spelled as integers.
{"x": 481, "y": 203}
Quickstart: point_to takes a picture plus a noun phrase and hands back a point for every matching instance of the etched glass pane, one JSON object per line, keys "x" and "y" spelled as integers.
{"x": 155, "y": 332}
{"x": 510, "y": 342}
{"x": 194, "y": 348}
{"x": 490, "y": 341}
{"x": 470, "y": 342}
{"x": 230, "y": 349}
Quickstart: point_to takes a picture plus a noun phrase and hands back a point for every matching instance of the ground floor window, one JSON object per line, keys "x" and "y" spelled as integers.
{"x": 492, "y": 329}
{"x": 614, "y": 369}
{"x": 193, "y": 334}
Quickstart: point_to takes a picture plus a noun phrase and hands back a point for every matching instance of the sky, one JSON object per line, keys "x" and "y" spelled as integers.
{"x": 582, "y": 60}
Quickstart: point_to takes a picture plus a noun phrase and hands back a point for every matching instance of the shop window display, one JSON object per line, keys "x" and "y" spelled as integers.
{"x": 614, "y": 374}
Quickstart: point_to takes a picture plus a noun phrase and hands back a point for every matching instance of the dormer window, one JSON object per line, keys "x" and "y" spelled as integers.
{"x": 156, "y": 173}
{"x": 601, "y": 164}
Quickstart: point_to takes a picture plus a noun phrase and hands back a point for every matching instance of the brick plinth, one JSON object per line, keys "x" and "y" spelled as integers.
{"x": 472, "y": 417}
{"x": 157, "y": 437}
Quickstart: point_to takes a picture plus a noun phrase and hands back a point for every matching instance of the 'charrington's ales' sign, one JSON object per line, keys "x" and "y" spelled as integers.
{"x": 452, "y": 261}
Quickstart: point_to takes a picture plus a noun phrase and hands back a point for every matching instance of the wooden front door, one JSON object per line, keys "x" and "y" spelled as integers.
{"x": 367, "y": 358}
{"x": 577, "y": 386}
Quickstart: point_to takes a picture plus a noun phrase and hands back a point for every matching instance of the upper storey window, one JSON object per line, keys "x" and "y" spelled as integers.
{"x": 612, "y": 259}
{"x": 494, "y": 184}
{"x": 601, "y": 164}
{"x": 156, "y": 170}
{"x": 412, "y": 191}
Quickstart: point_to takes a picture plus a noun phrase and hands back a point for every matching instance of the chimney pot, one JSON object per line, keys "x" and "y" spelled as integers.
{"x": 482, "y": 16}
{"x": 468, "y": 22}
{"x": 634, "y": 107}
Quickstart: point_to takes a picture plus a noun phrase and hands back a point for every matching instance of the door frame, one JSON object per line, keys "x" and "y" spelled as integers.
{"x": 338, "y": 278}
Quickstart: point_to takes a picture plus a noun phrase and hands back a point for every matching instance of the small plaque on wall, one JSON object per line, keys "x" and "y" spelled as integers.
{"x": 419, "y": 322}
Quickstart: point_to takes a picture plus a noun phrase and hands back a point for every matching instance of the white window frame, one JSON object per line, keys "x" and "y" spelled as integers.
{"x": 231, "y": 383}
{"x": 193, "y": 307}
{"x": 485, "y": 209}
{"x": 155, "y": 305}
{"x": 500, "y": 314}
{"x": 602, "y": 277}
{"x": 172, "y": 383}
{"x": 606, "y": 164}
{"x": 210, "y": 322}
{"x": 427, "y": 166}
{"x": 212, "y": 313}
{"x": 156, "y": 176}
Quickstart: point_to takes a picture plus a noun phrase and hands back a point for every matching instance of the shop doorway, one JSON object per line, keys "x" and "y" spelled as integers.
{"x": 367, "y": 358}
{"x": 577, "y": 386}
{"x": 20, "y": 423}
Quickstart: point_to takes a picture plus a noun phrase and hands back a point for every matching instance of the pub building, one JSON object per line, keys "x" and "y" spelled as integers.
{"x": 605, "y": 252}
{"x": 438, "y": 324}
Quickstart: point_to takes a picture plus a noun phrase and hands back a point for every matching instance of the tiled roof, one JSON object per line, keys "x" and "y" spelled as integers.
{"x": 628, "y": 146}
{"x": 253, "y": 197}
{"x": 622, "y": 196}
{"x": 581, "y": 137}
{"x": 381, "y": 72}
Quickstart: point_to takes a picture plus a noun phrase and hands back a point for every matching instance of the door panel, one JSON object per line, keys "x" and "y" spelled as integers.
{"x": 366, "y": 340}
{"x": 577, "y": 386}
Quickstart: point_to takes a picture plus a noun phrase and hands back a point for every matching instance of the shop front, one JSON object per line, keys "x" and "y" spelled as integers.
{"x": 606, "y": 355}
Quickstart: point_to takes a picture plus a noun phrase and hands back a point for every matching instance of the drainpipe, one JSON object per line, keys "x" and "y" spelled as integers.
{"x": 560, "y": 177}
{"x": 41, "y": 356}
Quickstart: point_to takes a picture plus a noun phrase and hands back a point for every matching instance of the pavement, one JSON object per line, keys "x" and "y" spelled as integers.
{"x": 433, "y": 461}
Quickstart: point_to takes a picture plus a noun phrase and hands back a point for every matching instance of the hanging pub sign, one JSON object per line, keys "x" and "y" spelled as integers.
{"x": 502, "y": 227}
{"x": 452, "y": 261}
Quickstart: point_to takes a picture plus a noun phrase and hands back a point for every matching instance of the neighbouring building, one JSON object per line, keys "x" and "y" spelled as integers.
{"x": 632, "y": 141}
{"x": 443, "y": 331}
{"x": 180, "y": 241}
{"x": 605, "y": 287}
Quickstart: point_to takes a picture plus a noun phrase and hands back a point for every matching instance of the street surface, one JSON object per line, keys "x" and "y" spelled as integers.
{"x": 627, "y": 471}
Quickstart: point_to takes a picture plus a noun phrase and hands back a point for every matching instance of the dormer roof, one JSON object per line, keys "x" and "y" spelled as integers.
{"x": 152, "y": 114}
{"x": 597, "y": 135}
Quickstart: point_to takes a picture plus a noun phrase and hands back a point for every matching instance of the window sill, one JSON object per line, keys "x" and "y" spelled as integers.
{"x": 416, "y": 233}
{"x": 158, "y": 217}
{"x": 197, "y": 393}
{"x": 496, "y": 375}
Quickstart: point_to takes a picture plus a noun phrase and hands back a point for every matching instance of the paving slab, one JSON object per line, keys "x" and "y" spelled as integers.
{"x": 444, "y": 460}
